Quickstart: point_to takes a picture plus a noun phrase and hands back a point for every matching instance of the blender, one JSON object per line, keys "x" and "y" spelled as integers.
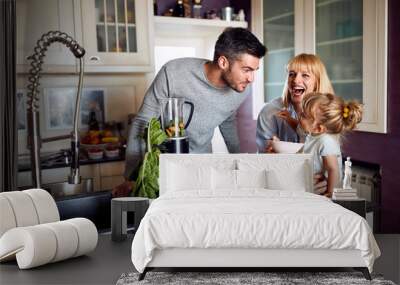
{"x": 172, "y": 122}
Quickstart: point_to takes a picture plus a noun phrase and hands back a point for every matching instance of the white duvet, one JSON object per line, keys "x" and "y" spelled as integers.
{"x": 253, "y": 218}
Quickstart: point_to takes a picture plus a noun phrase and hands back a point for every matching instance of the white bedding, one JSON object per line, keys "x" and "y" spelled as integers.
{"x": 252, "y": 218}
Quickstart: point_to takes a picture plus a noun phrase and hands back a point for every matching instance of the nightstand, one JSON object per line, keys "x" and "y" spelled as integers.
{"x": 119, "y": 209}
{"x": 357, "y": 205}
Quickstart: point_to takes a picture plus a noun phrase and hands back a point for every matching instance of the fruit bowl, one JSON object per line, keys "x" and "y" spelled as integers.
{"x": 95, "y": 153}
{"x": 111, "y": 152}
{"x": 286, "y": 147}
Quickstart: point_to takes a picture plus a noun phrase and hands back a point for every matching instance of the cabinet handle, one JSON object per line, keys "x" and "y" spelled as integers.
{"x": 94, "y": 58}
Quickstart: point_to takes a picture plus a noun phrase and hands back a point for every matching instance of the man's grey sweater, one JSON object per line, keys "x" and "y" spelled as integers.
{"x": 213, "y": 107}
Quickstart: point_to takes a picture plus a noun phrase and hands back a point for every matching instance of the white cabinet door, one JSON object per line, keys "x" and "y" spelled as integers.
{"x": 350, "y": 36}
{"x": 279, "y": 37}
{"x": 36, "y": 17}
{"x": 117, "y": 35}
{"x": 351, "y": 40}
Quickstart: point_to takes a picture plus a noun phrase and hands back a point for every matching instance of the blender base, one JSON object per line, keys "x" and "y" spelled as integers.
{"x": 177, "y": 145}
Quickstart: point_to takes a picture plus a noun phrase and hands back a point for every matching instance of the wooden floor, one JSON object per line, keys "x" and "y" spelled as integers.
{"x": 111, "y": 259}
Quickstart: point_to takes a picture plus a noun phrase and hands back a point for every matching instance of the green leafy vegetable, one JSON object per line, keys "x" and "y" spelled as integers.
{"x": 147, "y": 181}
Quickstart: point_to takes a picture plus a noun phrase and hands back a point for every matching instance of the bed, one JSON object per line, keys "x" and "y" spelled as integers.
{"x": 246, "y": 211}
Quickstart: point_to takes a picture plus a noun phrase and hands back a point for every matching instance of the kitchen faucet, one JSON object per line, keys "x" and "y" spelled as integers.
{"x": 34, "y": 139}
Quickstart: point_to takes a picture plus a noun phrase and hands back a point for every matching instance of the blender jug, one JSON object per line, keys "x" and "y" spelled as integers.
{"x": 172, "y": 122}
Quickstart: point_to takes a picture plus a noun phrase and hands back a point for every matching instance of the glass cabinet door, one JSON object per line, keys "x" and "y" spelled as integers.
{"x": 278, "y": 27}
{"x": 339, "y": 43}
{"x": 115, "y": 26}
{"x": 117, "y": 35}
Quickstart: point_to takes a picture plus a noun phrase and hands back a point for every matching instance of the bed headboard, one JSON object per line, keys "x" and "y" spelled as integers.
{"x": 283, "y": 164}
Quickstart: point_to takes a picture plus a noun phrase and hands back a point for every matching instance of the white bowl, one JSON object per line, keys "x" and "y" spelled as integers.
{"x": 95, "y": 154}
{"x": 112, "y": 153}
{"x": 286, "y": 147}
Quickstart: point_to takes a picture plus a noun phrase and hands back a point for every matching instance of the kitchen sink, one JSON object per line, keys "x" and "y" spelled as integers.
{"x": 62, "y": 189}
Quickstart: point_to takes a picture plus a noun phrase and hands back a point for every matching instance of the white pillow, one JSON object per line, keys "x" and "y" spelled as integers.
{"x": 223, "y": 179}
{"x": 293, "y": 179}
{"x": 183, "y": 177}
{"x": 251, "y": 178}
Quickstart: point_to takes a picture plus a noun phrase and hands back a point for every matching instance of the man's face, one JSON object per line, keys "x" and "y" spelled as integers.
{"x": 238, "y": 73}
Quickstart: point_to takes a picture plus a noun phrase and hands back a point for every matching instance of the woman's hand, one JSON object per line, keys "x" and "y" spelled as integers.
{"x": 269, "y": 148}
{"x": 320, "y": 184}
{"x": 122, "y": 190}
{"x": 285, "y": 115}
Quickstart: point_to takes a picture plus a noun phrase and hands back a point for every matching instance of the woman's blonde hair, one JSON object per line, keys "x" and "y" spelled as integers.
{"x": 332, "y": 111}
{"x": 312, "y": 64}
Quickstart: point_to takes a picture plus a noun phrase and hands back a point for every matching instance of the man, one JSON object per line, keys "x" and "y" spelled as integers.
{"x": 216, "y": 88}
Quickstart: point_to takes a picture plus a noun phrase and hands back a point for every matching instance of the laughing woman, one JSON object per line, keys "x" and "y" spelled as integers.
{"x": 305, "y": 74}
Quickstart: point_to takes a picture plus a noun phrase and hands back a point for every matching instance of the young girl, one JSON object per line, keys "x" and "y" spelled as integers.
{"x": 325, "y": 118}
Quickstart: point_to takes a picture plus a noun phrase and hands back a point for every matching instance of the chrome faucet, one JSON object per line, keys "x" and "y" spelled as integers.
{"x": 34, "y": 139}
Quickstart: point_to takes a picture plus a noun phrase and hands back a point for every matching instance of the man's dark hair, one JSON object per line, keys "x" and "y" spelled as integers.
{"x": 234, "y": 42}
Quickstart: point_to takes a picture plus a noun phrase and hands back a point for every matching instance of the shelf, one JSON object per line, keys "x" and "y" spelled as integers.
{"x": 339, "y": 81}
{"x": 340, "y": 41}
{"x": 274, "y": 83}
{"x": 280, "y": 50}
{"x": 328, "y": 2}
{"x": 113, "y": 24}
{"x": 184, "y": 27}
{"x": 346, "y": 81}
{"x": 198, "y": 22}
{"x": 278, "y": 17}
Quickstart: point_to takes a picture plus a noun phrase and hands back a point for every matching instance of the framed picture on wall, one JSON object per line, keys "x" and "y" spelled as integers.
{"x": 59, "y": 107}
{"x": 93, "y": 100}
{"x": 21, "y": 110}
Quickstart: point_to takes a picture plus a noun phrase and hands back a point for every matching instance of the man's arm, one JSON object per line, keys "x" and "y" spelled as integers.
{"x": 150, "y": 109}
{"x": 229, "y": 132}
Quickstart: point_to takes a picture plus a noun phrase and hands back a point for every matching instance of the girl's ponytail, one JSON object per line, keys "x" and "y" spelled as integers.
{"x": 352, "y": 114}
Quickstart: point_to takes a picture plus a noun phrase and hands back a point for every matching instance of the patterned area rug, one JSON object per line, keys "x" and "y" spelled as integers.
{"x": 231, "y": 278}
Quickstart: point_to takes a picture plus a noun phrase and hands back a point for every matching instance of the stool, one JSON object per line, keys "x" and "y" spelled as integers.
{"x": 119, "y": 207}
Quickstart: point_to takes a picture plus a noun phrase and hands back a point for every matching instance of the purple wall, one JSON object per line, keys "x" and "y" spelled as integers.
{"x": 382, "y": 149}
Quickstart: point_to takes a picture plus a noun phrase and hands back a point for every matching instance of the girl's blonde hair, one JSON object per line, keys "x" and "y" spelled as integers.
{"x": 332, "y": 111}
{"x": 312, "y": 64}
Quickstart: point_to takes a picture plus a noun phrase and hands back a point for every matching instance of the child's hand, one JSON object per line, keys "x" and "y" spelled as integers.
{"x": 328, "y": 194}
{"x": 285, "y": 115}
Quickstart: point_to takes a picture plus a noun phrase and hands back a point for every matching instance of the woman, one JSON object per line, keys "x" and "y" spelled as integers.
{"x": 305, "y": 74}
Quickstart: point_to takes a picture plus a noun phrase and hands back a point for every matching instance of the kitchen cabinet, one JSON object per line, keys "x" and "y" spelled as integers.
{"x": 33, "y": 21}
{"x": 117, "y": 35}
{"x": 350, "y": 36}
{"x": 111, "y": 174}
